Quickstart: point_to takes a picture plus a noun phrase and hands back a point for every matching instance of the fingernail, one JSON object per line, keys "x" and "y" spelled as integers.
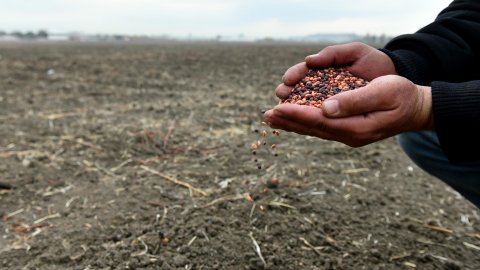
{"x": 283, "y": 78}
{"x": 310, "y": 56}
{"x": 330, "y": 107}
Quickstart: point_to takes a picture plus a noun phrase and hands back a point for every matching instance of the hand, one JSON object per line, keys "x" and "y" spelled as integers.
{"x": 387, "y": 106}
{"x": 360, "y": 59}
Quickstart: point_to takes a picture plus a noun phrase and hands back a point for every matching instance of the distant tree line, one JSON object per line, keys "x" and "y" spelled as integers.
{"x": 41, "y": 34}
{"x": 376, "y": 39}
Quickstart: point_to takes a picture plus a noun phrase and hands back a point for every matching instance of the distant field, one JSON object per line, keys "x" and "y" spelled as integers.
{"x": 100, "y": 140}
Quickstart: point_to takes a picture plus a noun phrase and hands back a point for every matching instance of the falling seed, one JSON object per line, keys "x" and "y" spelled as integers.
{"x": 254, "y": 146}
{"x": 248, "y": 197}
{"x": 273, "y": 183}
{"x": 264, "y": 124}
{"x": 273, "y": 146}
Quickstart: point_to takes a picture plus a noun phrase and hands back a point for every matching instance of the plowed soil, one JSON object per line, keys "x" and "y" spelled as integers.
{"x": 137, "y": 156}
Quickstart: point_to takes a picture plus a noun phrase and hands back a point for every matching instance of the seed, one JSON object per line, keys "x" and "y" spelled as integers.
{"x": 264, "y": 133}
{"x": 254, "y": 146}
{"x": 273, "y": 183}
{"x": 319, "y": 85}
{"x": 273, "y": 146}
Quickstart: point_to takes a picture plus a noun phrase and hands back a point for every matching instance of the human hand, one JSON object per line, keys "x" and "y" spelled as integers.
{"x": 387, "y": 106}
{"x": 360, "y": 59}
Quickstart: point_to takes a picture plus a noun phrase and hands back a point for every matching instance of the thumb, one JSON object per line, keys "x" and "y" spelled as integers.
{"x": 373, "y": 97}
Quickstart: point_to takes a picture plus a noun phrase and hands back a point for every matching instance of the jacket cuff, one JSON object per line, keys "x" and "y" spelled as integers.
{"x": 408, "y": 64}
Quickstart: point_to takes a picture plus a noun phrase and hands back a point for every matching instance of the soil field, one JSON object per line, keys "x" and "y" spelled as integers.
{"x": 124, "y": 156}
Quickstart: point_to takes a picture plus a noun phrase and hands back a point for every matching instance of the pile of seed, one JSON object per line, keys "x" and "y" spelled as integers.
{"x": 319, "y": 85}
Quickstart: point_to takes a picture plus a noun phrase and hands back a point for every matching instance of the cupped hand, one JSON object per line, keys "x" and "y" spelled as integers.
{"x": 387, "y": 106}
{"x": 360, "y": 59}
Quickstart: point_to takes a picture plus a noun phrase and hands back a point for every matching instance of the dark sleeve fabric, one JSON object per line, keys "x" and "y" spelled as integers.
{"x": 446, "y": 56}
{"x": 445, "y": 50}
{"x": 456, "y": 113}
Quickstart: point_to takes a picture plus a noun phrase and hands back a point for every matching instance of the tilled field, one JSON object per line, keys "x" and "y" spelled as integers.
{"x": 138, "y": 157}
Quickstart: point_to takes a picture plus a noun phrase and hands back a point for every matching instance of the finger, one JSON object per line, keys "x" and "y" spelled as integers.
{"x": 337, "y": 55}
{"x": 354, "y": 131}
{"x": 282, "y": 91}
{"x": 373, "y": 97}
{"x": 306, "y": 116}
{"x": 278, "y": 122}
{"x": 294, "y": 74}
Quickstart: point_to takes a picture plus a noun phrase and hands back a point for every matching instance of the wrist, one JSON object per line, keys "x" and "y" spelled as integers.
{"x": 389, "y": 65}
{"x": 425, "y": 112}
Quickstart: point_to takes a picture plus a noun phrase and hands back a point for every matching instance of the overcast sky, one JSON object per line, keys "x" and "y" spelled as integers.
{"x": 253, "y": 18}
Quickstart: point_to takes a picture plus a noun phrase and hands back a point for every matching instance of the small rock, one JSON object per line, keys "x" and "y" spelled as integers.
{"x": 180, "y": 260}
{"x": 27, "y": 163}
{"x": 51, "y": 72}
{"x": 256, "y": 264}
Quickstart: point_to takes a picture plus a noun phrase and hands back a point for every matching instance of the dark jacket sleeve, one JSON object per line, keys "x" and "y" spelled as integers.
{"x": 446, "y": 56}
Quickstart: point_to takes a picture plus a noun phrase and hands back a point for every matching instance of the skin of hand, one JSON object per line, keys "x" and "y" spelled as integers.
{"x": 360, "y": 59}
{"x": 387, "y": 106}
